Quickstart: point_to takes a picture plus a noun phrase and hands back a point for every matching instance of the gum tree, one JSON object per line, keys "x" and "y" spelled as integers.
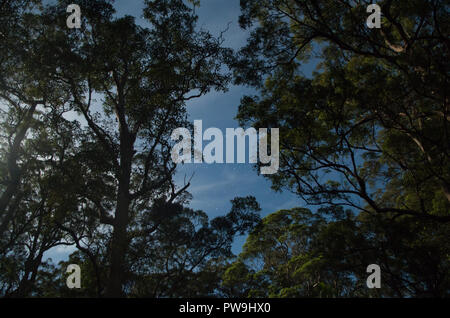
{"x": 129, "y": 84}
{"x": 34, "y": 139}
{"x": 370, "y": 128}
{"x": 25, "y": 91}
{"x": 174, "y": 252}
{"x": 297, "y": 253}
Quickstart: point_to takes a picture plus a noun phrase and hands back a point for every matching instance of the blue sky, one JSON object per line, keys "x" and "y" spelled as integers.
{"x": 214, "y": 185}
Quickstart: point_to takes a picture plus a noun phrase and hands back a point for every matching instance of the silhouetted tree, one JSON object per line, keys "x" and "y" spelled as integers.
{"x": 372, "y": 123}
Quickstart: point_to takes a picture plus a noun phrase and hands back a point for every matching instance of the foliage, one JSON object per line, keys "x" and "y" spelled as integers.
{"x": 86, "y": 117}
{"x": 295, "y": 253}
{"x": 369, "y": 130}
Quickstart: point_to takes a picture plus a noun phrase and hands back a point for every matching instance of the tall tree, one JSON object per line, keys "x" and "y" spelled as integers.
{"x": 184, "y": 251}
{"x": 295, "y": 253}
{"x": 34, "y": 139}
{"x": 368, "y": 130}
{"x": 39, "y": 204}
{"x": 25, "y": 90}
{"x": 174, "y": 252}
{"x": 142, "y": 78}
{"x": 372, "y": 123}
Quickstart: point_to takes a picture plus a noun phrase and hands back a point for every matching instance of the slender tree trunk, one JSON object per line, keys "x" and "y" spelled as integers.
{"x": 119, "y": 244}
{"x": 118, "y": 249}
{"x": 27, "y": 282}
{"x": 7, "y": 215}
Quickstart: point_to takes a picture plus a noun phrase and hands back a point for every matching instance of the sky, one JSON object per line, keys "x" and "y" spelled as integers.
{"x": 214, "y": 185}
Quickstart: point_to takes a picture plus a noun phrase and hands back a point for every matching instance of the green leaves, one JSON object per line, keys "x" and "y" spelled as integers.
{"x": 363, "y": 125}
{"x": 294, "y": 253}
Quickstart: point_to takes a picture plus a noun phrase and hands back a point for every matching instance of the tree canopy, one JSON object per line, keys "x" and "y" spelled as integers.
{"x": 367, "y": 132}
{"x": 87, "y": 114}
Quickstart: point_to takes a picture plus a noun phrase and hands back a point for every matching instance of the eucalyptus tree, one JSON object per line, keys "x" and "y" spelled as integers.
{"x": 184, "y": 252}
{"x": 26, "y": 89}
{"x": 130, "y": 83}
{"x": 41, "y": 203}
{"x": 370, "y": 128}
{"x": 33, "y": 138}
{"x": 297, "y": 253}
{"x": 174, "y": 252}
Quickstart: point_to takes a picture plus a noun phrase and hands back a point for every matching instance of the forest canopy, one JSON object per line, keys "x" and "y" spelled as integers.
{"x": 86, "y": 117}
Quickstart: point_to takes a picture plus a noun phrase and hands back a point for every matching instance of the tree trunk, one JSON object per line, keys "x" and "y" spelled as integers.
{"x": 119, "y": 244}
{"x": 28, "y": 281}
{"x": 118, "y": 250}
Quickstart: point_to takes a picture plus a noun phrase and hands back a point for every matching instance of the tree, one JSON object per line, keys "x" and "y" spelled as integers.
{"x": 182, "y": 252}
{"x": 370, "y": 129}
{"x": 143, "y": 77}
{"x": 34, "y": 139}
{"x": 25, "y": 90}
{"x": 39, "y": 205}
{"x": 295, "y": 253}
{"x": 279, "y": 259}
{"x": 174, "y": 252}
